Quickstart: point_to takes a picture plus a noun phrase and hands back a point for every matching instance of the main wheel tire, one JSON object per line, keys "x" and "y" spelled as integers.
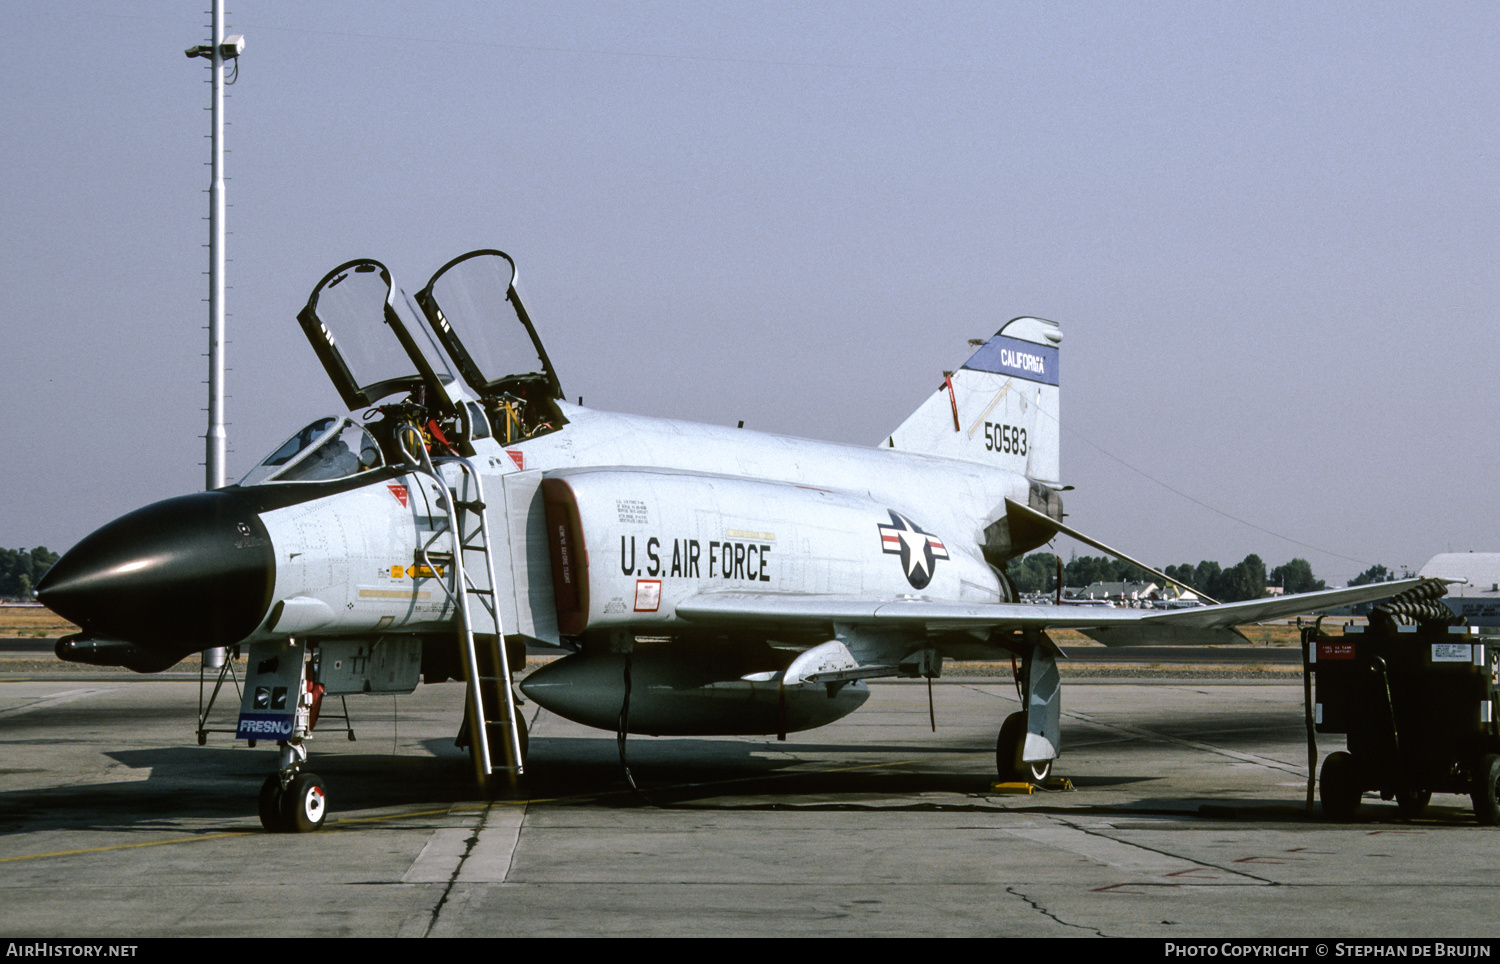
{"x": 303, "y": 805}
{"x": 1338, "y": 787}
{"x": 1008, "y": 747}
{"x": 1486, "y": 790}
{"x": 1411, "y": 803}
{"x": 270, "y": 805}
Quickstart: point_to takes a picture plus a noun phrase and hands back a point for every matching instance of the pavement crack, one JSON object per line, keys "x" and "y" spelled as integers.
{"x": 1047, "y": 913}
{"x": 458, "y": 868}
{"x": 987, "y": 690}
{"x": 1141, "y": 732}
{"x": 54, "y": 699}
{"x": 1166, "y": 853}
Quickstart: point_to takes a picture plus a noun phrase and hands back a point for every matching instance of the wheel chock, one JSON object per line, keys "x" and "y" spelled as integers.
{"x": 1055, "y": 784}
{"x": 1018, "y": 787}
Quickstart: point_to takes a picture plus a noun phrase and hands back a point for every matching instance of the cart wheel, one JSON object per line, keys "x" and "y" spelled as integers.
{"x": 1338, "y": 788}
{"x": 1486, "y": 783}
{"x": 1411, "y": 803}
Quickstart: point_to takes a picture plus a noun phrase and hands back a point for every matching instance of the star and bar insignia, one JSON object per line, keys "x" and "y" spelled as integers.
{"x": 919, "y": 550}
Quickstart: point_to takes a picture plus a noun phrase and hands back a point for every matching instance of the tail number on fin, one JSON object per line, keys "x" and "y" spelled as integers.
{"x": 1008, "y": 439}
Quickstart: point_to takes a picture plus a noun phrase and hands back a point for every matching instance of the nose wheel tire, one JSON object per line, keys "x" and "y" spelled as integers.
{"x": 300, "y": 808}
{"x": 1008, "y": 747}
{"x": 304, "y": 805}
{"x": 270, "y": 805}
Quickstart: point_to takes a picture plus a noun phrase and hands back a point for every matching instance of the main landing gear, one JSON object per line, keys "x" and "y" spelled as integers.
{"x": 1039, "y": 688}
{"x": 1008, "y": 746}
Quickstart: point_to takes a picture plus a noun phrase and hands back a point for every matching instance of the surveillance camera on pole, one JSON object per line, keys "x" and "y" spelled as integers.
{"x": 231, "y": 47}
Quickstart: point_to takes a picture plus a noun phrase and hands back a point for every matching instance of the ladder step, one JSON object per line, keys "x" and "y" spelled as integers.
{"x": 475, "y": 506}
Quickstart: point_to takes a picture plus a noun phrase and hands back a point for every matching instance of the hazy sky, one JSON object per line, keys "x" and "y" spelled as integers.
{"x": 1268, "y": 231}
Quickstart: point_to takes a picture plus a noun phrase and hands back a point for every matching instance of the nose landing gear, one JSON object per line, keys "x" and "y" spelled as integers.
{"x": 282, "y": 699}
{"x": 298, "y": 805}
{"x": 292, "y": 800}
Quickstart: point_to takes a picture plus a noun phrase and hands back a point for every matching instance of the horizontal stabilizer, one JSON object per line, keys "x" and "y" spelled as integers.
{"x": 1016, "y": 509}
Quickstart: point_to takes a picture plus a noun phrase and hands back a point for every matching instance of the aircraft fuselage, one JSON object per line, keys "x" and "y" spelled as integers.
{"x": 663, "y": 510}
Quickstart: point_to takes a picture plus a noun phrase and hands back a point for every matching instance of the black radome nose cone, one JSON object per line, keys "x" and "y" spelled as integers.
{"x": 175, "y": 577}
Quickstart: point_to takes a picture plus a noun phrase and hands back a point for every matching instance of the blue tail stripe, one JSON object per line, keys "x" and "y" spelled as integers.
{"x": 1012, "y": 356}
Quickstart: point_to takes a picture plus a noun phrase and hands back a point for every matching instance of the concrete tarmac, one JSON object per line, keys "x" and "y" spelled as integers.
{"x": 1187, "y": 820}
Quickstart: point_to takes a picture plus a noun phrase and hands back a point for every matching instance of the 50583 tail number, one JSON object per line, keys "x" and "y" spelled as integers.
{"x": 1007, "y": 439}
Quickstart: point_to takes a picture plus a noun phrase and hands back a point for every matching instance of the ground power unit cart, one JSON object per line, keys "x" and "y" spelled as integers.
{"x": 1418, "y": 706}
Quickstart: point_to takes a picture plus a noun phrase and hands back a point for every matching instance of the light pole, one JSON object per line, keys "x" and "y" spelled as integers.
{"x": 222, "y": 49}
{"x": 216, "y": 439}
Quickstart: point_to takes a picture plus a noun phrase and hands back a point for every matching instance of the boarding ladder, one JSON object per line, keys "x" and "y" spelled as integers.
{"x": 486, "y": 665}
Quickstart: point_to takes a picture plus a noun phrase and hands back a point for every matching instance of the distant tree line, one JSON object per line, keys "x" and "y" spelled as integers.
{"x": 21, "y": 570}
{"x": 1373, "y": 574}
{"x": 1246, "y": 579}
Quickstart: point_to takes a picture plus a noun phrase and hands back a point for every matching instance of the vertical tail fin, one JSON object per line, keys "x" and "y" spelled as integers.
{"x": 1001, "y": 408}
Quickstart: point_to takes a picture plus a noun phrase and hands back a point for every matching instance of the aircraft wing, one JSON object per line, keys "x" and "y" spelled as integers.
{"x": 1113, "y": 627}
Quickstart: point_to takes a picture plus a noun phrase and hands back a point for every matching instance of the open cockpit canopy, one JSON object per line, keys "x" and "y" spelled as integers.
{"x": 351, "y": 318}
{"x": 473, "y": 306}
{"x": 475, "y": 325}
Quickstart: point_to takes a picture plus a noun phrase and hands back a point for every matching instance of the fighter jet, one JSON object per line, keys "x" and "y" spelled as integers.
{"x": 701, "y": 580}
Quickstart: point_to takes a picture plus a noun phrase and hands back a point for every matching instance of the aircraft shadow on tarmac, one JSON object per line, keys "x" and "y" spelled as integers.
{"x": 676, "y": 770}
{"x": 185, "y": 786}
{"x": 188, "y": 786}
